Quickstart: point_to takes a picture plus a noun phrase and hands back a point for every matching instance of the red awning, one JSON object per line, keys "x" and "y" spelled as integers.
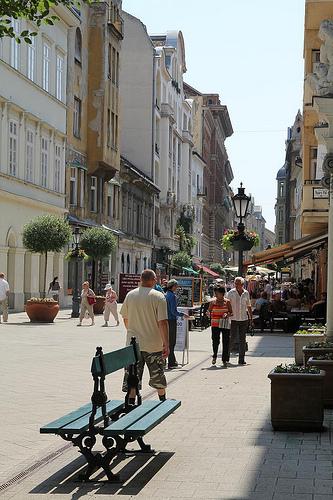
{"x": 209, "y": 271}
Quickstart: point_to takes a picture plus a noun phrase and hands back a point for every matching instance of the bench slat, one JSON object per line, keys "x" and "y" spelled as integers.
{"x": 82, "y": 423}
{"x": 148, "y": 422}
{"x": 121, "y": 425}
{"x": 52, "y": 427}
{"x": 114, "y": 361}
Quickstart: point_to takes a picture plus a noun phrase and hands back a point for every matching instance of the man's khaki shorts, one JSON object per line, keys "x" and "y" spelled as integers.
{"x": 155, "y": 365}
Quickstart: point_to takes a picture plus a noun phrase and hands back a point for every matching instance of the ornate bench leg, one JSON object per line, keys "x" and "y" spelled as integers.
{"x": 146, "y": 448}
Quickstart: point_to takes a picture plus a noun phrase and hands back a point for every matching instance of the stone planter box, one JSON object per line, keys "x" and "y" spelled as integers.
{"x": 301, "y": 341}
{"x": 242, "y": 244}
{"x": 99, "y": 305}
{"x": 327, "y": 366}
{"x": 314, "y": 352}
{"x": 297, "y": 401}
{"x": 41, "y": 312}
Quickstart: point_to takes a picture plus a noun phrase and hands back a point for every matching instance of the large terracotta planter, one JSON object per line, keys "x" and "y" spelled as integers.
{"x": 242, "y": 244}
{"x": 41, "y": 312}
{"x": 327, "y": 366}
{"x": 301, "y": 341}
{"x": 297, "y": 401}
{"x": 99, "y": 305}
{"x": 314, "y": 352}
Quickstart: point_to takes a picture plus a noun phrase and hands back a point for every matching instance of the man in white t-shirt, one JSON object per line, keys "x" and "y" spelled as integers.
{"x": 241, "y": 315}
{"x": 4, "y": 292}
{"x": 146, "y": 318}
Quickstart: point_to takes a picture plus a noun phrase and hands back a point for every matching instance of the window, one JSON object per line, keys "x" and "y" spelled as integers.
{"x": 29, "y": 156}
{"x": 44, "y": 162}
{"x": 15, "y": 48}
{"x": 57, "y": 168}
{"x": 117, "y": 70}
{"x": 73, "y": 187}
{"x": 31, "y": 69}
{"x": 281, "y": 189}
{"x": 280, "y": 218}
{"x": 110, "y": 61}
{"x": 114, "y": 130}
{"x": 13, "y": 147}
{"x": 93, "y": 194}
{"x": 108, "y": 137}
{"x": 179, "y": 153}
{"x": 313, "y": 162}
{"x": 77, "y": 117}
{"x": 59, "y": 77}
{"x": 315, "y": 60}
{"x": 46, "y": 67}
{"x": 113, "y": 63}
{"x": 78, "y": 46}
{"x": 115, "y": 202}
{"x": 82, "y": 185}
{"x": 109, "y": 205}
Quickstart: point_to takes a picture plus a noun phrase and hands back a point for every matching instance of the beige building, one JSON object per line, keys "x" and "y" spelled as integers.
{"x": 32, "y": 147}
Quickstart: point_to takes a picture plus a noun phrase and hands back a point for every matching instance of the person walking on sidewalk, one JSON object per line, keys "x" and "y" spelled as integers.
{"x": 88, "y": 299}
{"x": 146, "y": 317}
{"x": 220, "y": 311}
{"x": 173, "y": 314}
{"x": 4, "y": 293}
{"x": 242, "y": 314}
{"x": 110, "y": 305}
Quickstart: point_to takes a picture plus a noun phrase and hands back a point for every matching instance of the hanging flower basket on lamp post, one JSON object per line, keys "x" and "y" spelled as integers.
{"x": 233, "y": 239}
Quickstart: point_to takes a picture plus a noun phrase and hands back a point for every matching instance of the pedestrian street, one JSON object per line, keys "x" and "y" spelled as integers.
{"x": 218, "y": 444}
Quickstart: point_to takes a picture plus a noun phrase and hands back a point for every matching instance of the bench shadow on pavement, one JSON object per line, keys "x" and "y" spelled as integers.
{"x": 135, "y": 475}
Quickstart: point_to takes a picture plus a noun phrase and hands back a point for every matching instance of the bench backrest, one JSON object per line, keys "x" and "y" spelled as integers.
{"x": 115, "y": 360}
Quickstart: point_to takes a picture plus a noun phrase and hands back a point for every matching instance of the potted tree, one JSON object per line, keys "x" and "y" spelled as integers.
{"x": 325, "y": 362}
{"x": 297, "y": 398}
{"x": 179, "y": 260}
{"x": 98, "y": 243}
{"x": 45, "y": 233}
{"x": 302, "y": 338}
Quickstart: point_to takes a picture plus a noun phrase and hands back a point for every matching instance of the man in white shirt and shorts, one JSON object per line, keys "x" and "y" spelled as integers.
{"x": 146, "y": 318}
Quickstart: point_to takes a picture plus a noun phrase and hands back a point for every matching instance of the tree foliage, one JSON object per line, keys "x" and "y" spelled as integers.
{"x": 186, "y": 241}
{"x": 46, "y": 233}
{"x": 37, "y": 11}
{"x": 97, "y": 242}
{"x": 217, "y": 268}
{"x": 180, "y": 260}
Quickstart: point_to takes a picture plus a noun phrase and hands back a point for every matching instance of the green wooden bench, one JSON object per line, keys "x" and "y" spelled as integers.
{"x": 118, "y": 422}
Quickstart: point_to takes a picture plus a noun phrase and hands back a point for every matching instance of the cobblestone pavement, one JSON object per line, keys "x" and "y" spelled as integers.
{"x": 218, "y": 445}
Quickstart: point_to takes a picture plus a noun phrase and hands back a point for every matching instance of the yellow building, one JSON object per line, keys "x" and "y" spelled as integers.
{"x": 315, "y": 197}
{"x": 93, "y": 152}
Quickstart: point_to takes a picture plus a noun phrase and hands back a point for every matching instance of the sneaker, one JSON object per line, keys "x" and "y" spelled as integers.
{"x": 225, "y": 364}
{"x": 117, "y": 323}
{"x": 79, "y": 324}
{"x": 242, "y": 362}
{"x": 171, "y": 367}
{"x": 213, "y": 360}
{"x": 105, "y": 324}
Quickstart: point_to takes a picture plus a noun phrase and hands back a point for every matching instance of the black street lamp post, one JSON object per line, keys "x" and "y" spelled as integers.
{"x": 76, "y": 291}
{"x": 241, "y": 204}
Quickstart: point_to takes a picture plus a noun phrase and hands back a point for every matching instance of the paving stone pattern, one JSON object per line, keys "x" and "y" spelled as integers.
{"x": 218, "y": 445}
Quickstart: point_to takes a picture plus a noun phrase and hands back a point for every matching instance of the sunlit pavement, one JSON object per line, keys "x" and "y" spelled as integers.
{"x": 219, "y": 444}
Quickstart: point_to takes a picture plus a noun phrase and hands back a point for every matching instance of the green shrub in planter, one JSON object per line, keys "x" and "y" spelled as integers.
{"x": 325, "y": 362}
{"x": 315, "y": 349}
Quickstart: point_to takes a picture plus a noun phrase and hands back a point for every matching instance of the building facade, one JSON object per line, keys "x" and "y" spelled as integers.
{"x": 93, "y": 126}
{"x": 33, "y": 146}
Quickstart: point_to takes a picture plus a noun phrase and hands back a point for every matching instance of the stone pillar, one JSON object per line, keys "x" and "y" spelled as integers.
{"x": 324, "y": 106}
{"x": 3, "y": 259}
{"x": 16, "y": 262}
{"x": 31, "y": 275}
{"x": 58, "y": 270}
